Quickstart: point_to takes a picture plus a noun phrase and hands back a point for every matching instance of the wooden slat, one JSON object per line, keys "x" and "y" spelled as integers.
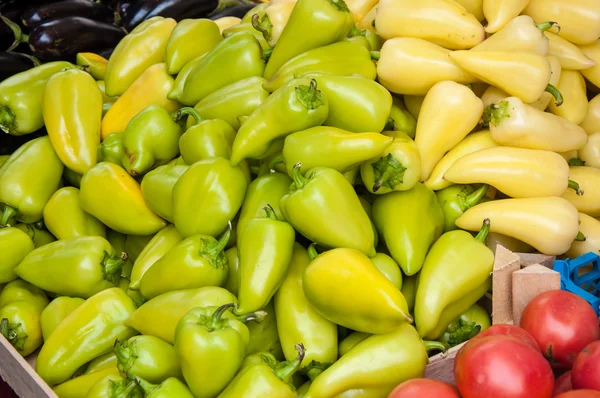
{"x": 528, "y": 259}
{"x": 528, "y": 283}
{"x": 505, "y": 263}
{"x": 441, "y": 367}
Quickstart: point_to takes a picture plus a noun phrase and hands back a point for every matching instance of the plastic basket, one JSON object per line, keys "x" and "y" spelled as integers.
{"x": 587, "y": 285}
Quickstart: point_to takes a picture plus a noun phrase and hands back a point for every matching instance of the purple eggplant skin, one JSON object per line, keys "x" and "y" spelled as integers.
{"x": 123, "y": 9}
{"x": 12, "y": 63}
{"x": 235, "y": 11}
{"x": 66, "y": 8}
{"x": 65, "y": 37}
{"x": 136, "y": 13}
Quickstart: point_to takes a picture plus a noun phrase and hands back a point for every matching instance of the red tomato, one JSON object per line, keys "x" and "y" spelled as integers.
{"x": 562, "y": 323}
{"x": 510, "y": 330}
{"x": 586, "y": 369}
{"x": 424, "y": 388}
{"x": 563, "y": 383}
{"x": 580, "y": 394}
{"x": 502, "y": 367}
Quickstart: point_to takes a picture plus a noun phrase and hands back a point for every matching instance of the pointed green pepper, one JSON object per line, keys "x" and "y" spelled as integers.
{"x": 111, "y": 149}
{"x": 457, "y": 199}
{"x": 19, "y": 290}
{"x": 182, "y": 76}
{"x": 157, "y": 189}
{"x": 370, "y": 38}
{"x": 247, "y": 27}
{"x": 351, "y": 341}
{"x": 233, "y": 276}
{"x": 264, "y": 336}
{"x": 170, "y": 388}
{"x": 148, "y": 357}
{"x": 115, "y": 386}
{"x": 400, "y": 119}
{"x": 14, "y": 246}
{"x": 468, "y": 325}
{"x": 191, "y": 38}
{"x": 56, "y": 312}
{"x": 409, "y": 290}
{"x": 40, "y": 237}
{"x": 388, "y": 267}
{"x": 20, "y": 325}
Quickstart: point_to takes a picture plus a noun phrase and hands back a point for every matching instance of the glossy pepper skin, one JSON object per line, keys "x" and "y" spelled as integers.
{"x": 170, "y": 388}
{"x": 104, "y": 361}
{"x": 401, "y": 355}
{"x": 20, "y": 325}
{"x": 575, "y": 103}
{"x": 351, "y": 341}
{"x": 468, "y": 325}
{"x": 22, "y": 96}
{"x": 64, "y": 217}
{"x": 148, "y": 357}
{"x": 499, "y": 13}
{"x": 111, "y": 149}
{"x": 207, "y": 196}
{"x": 247, "y": 27}
{"x": 233, "y": 276}
{"x": 210, "y": 334}
{"x": 590, "y": 228}
{"x": 19, "y": 290}
{"x": 28, "y": 179}
{"x": 343, "y": 58}
{"x": 86, "y": 333}
{"x": 114, "y": 386}
{"x": 342, "y": 222}
{"x": 96, "y": 64}
{"x": 569, "y": 55}
{"x": 56, "y": 312}
{"x": 189, "y": 39}
{"x": 72, "y": 110}
{"x": 159, "y": 316}
{"x": 206, "y": 139}
{"x": 240, "y": 53}
{"x": 157, "y": 187}
{"x": 297, "y": 106}
{"x": 195, "y": 262}
{"x": 591, "y": 123}
{"x": 181, "y": 78}
{"x": 298, "y": 321}
{"x": 133, "y": 215}
{"x": 330, "y": 21}
{"x": 265, "y": 250}
{"x": 15, "y": 245}
{"x": 590, "y": 153}
{"x": 588, "y": 179}
{"x": 78, "y": 267}
{"x": 409, "y": 222}
{"x": 401, "y": 119}
{"x": 592, "y": 74}
{"x": 456, "y": 199}
{"x": 331, "y": 147}
{"x": 388, "y": 267}
{"x": 143, "y": 47}
{"x": 80, "y": 385}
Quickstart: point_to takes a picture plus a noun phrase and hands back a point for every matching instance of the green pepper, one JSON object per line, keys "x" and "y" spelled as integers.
{"x": 312, "y": 24}
{"x": 72, "y": 178}
{"x": 157, "y": 189}
{"x": 371, "y": 38}
{"x": 206, "y": 139}
{"x": 211, "y": 345}
{"x": 409, "y": 222}
{"x": 237, "y": 57}
{"x": 111, "y": 149}
{"x": 456, "y": 199}
{"x": 65, "y": 218}
{"x": 233, "y": 276}
{"x": 19, "y": 290}
{"x": 94, "y": 63}
{"x": 298, "y": 321}
{"x": 4, "y": 158}
{"x": 388, "y": 267}
{"x": 21, "y": 98}
{"x": 79, "y": 267}
{"x": 178, "y": 161}
{"x": 265, "y": 378}
{"x": 207, "y": 196}
{"x": 297, "y": 106}
{"x": 342, "y": 59}
{"x": 79, "y": 386}
{"x": 182, "y": 77}
{"x": 398, "y": 168}
{"x": 323, "y": 207}
{"x": 148, "y": 357}
{"x": 258, "y": 9}
{"x": 143, "y": 47}
{"x": 159, "y": 316}
{"x": 15, "y": 245}
{"x": 134, "y": 245}
{"x": 89, "y": 331}
{"x": 472, "y": 322}
{"x": 115, "y": 386}
{"x": 247, "y": 27}
{"x": 118, "y": 241}
{"x": 104, "y": 361}
{"x": 350, "y": 341}
{"x": 170, "y": 388}
{"x": 331, "y": 147}
{"x": 264, "y": 336}
{"x": 56, "y": 312}
{"x": 265, "y": 250}
{"x": 28, "y": 179}
{"x": 456, "y": 274}
{"x": 266, "y": 190}
{"x": 400, "y": 119}
{"x": 40, "y": 237}
{"x": 20, "y": 325}
{"x": 191, "y": 38}
{"x": 195, "y": 262}
{"x": 409, "y": 290}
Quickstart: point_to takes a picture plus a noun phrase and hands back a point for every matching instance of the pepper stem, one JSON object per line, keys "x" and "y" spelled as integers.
{"x": 257, "y": 316}
{"x": 388, "y": 172}
{"x": 275, "y": 161}
{"x": 147, "y": 387}
{"x": 30, "y": 231}
{"x": 297, "y": 176}
{"x": 8, "y": 213}
{"x": 266, "y": 54}
{"x": 111, "y": 267}
{"x": 215, "y": 319}
{"x": 576, "y": 162}
{"x": 575, "y": 186}
{"x": 309, "y": 96}
{"x": 495, "y": 113}
{"x": 125, "y": 354}
{"x": 354, "y": 31}
{"x": 8, "y": 121}
{"x": 312, "y": 251}
{"x": 580, "y": 237}
{"x": 17, "y": 33}
{"x": 263, "y": 25}
{"x": 286, "y": 370}
{"x": 555, "y": 93}
{"x": 483, "y": 233}
{"x": 340, "y": 5}
{"x": 544, "y": 26}
{"x": 212, "y": 250}
{"x": 375, "y": 55}
{"x": 390, "y": 125}
{"x": 189, "y": 111}
{"x": 435, "y": 345}
{"x": 474, "y": 198}
{"x": 117, "y": 389}
{"x": 270, "y": 212}
{"x": 14, "y": 333}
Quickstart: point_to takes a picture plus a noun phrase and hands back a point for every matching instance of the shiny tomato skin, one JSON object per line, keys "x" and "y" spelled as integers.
{"x": 586, "y": 369}
{"x": 502, "y": 367}
{"x": 424, "y": 388}
{"x": 580, "y": 394}
{"x": 563, "y": 383}
{"x": 510, "y": 330}
{"x": 562, "y": 323}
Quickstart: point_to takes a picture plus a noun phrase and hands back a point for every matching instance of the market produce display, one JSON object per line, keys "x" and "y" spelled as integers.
{"x": 296, "y": 198}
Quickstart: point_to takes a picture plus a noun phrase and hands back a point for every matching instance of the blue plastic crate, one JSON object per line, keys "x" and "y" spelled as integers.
{"x": 586, "y": 286}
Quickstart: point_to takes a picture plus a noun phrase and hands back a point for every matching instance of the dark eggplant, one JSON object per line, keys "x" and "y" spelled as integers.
{"x": 235, "y": 11}
{"x": 63, "y": 38}
{"x": 123, "y": 9}
{"x": 12, "y": 63}
{"x": 66, "y": 8}
{"x": 106, "y": 53}
{"x": 136, "y": 13}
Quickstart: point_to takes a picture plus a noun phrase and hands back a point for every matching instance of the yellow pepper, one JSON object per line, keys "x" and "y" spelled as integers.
{"x": 592, "y": 51}
{"x": 179, "y": 48}
{"x": 519, "y": 34}
{"x": 151, "y": 88}
{"x": 360, "y": 8}
{"x": 579, "y": 20}
{"x": 523, "y": 75}
{"x": 570, "y": 56}
{"x": 78, "y": 387}
{"x": 227, "y": 22}
{"x": 546, "y": 97}
{"x": 72, "y": 109}
{"x": 588, "y": 179}
{"x": 548, "y": 224}
{"x": 445, "y": 23}
{"x": 569, "y": 155}
{"x": 450, "y": 111}
{"x": 94, "y": 63}
{"x": 499, "y": 12}
{"x": 591, "y": 123}
{"x": 368, "y": 20}
{"x": 590, "y": 228}
{"x": 278, "y": 15}
{"x": 472, "y": 143}
{"x": 590, "y": 153}
{"x": 575, "y": 104}
{"x": 474, "y": 7}
{"x": 517, "y": 172}
{"x": 413, "y": 104}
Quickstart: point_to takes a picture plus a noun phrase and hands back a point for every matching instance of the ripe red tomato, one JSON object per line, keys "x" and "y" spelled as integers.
{"x": 502, "y": 367}
{"x": 424, "y": 388}
{"x": 563, "y": 383}
{"x": 562, "y": 323}
{"x": 580, "y": 394}
{"x": 510, "y": 330}
{"x": 586, "y": 369}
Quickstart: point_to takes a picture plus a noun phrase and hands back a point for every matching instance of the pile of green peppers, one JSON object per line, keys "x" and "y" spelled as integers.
{"x": 220, "y": 215}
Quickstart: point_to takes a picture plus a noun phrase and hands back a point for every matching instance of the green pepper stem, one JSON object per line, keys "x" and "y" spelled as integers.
{"x": 297, "y": 176}
{"x": 263, "y": 25}
{"x": 125, "y": 355}
{"x": 9, "y": 212}
{"x": 580, "y": 237}
{"x": 270, "y": 212}
{"x": 576, "y": 162}
{"x": 390, "y": 125}
{"x": 354, "y": 31}
{"x": 30, "y": 231}
{"x": 17, "y": 33}
{"x": 215, "y": 319}
{"x": 312, "y": 251}
{"x": 555, "y": 93}
{"x": 212, "y": 250}
{"x": 188, "y": 110}
{"x": 126, "y": 391}
{"x": 475, "y": 197}
{"x": 266, "y": 54}
{"x": 483, "y": 233}
{"x": 544, "y": 26}
{"x": 275, "y": 161}
{"x": 7, "y": 120}
{"x": 14, "y": 333}
{"x": 147, "y": 387}
{"x": 495, "y": 113}
{"x": 435, "y": 345}
{"x": 575, "y": 186}
{"x": 111, "y": 267}
{"x": 388, "y": 171}
{"x": 310, "y": 96}
{"x": 288, "y": 369}
{"x": 257, "y": 316}
{"x": 375, "y": 55}
{"x": 340, "y": 5}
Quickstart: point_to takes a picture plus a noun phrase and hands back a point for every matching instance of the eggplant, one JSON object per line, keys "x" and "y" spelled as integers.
{"x": 235, "y": 11}
{"x": 123, "y": 9}
{"x": 65, "y": 37}
{"x": 66, "y": 8}
{"x": 106, "y": 53}
{"x": 12, "y": 63}
{"x": 136, "y": 13}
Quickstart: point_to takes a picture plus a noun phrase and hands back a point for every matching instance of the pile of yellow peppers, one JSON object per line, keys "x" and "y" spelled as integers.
{"x": 303, "y": 202}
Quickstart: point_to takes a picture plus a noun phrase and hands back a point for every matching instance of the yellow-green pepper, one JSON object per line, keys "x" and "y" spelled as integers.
{"x": 350, "y": 341}
{"x": 40, "y": 237}
{"x": 56, "y": 312}
{"x": 389, "y": 268}
{"x": 20, "y": 325}
{"x": 465, "y": 327}
{"x": 157, "y": 188}
{"x": 104, "y": 361}
{"x": 148, "y": 357}
{"x": 111, "y": 149}
{"x": 170, "y": 388}
{"x": 19, "y": 290}
{"x": 15, "y": 245}
{"x": 94, "y": 63}
{"x": 401, "y": 119}
{"x": 112, "y": 386}
{"x": 189, "y": 39}
{"x": 264, "y": 336}
{"x": 79, "y": 386}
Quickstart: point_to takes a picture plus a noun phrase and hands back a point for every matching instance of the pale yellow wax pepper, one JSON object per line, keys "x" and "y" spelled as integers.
{"x": 590, "y": 229}
{"x": 588, "y": 179}
{"x": 499, "y": 12}
{"x": 592, "y": 51}
{"x": 590, "y": 153}
{"x": 519, "y": 34}
{"x": 591, "y": 123}
{"x": 569, "y": 55}
{"x": 575, "y": 104}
